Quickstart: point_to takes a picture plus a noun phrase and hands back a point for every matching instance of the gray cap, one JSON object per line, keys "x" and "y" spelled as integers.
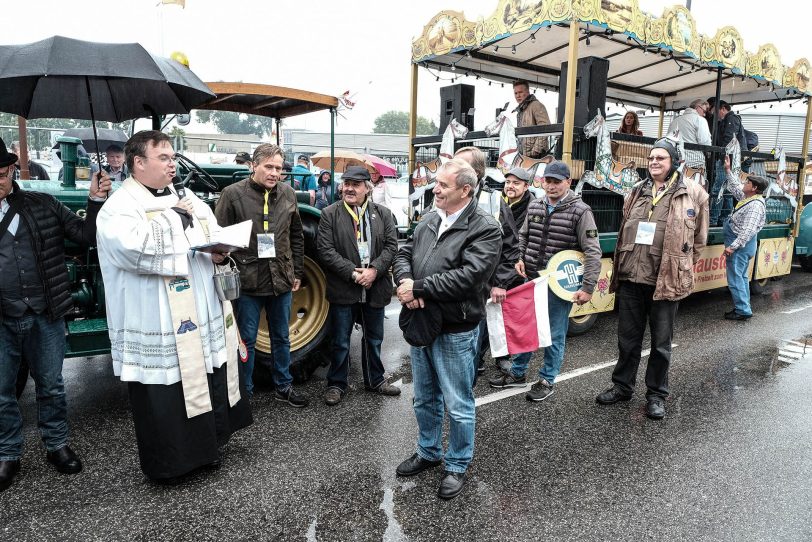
{"x": 519, "y": 173}
{"x": 557, "y": 170}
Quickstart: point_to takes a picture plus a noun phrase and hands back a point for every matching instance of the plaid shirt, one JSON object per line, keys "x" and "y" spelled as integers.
{"x": 747, "y": 220}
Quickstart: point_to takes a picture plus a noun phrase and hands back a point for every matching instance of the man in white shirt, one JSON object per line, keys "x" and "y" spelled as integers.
{"x": 693, "y": 128}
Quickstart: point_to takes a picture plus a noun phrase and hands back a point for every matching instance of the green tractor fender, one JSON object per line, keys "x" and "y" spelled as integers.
{"x": 803, "y": 243}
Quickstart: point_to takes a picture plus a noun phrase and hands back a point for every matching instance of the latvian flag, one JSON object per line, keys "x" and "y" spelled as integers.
{"x": 520, "y": 323}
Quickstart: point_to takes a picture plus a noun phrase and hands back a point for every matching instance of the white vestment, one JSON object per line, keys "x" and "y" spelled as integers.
{"x": 141, "y": 241}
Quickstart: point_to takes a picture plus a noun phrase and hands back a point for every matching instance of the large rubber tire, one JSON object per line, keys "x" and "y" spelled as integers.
{"x": 581, "y": 324}
{"x": 806, "y": 263}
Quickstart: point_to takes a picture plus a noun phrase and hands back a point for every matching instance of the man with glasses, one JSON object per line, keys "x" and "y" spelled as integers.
{"x": 272, "y": 266}
{"x": 172, "y": 339}
{"x": 653, "y": 270}
{"x": 693, "y": 128}
{"x": 559, "y": 220}
{"x": 35, "y": 296}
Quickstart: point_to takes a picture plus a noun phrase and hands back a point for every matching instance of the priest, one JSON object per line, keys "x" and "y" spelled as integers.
{"x": 172, "y": 339}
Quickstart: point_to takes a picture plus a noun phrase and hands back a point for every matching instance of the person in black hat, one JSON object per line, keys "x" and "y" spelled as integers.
{"x": 35, "y": 296}
{"x": 244, "y": 159}
{"x": 357, "y": 241}
{"x": 652, "y": 271}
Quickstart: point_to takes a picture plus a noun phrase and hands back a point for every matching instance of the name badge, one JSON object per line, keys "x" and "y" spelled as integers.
{"x": 266, "y": 245}
{"x": 363, "y": 252}
{"x": 645, "y": 233}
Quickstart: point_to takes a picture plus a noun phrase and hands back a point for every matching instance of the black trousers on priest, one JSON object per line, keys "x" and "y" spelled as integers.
{"x": 636, "y": 308}
{"x": 169, "y": 443}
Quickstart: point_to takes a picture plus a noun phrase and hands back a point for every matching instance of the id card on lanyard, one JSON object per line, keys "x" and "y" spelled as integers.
{"x": 646, "y": 230}
{"x": 266, "y": 243}
{"x": 363, "y": 246}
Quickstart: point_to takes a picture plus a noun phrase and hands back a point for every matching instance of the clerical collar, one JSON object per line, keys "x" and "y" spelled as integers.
{"x": 157, "y": 192}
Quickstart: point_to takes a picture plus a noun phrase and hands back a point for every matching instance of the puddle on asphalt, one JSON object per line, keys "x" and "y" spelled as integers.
{"x": 795, "y": 350}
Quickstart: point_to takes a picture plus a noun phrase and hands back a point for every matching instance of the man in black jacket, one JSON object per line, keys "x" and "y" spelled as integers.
{"x": 35, "y": 295}
{"x": 444, "y": 268}
{"x": 730, "y": 128}
{"x": 357, "y": 240}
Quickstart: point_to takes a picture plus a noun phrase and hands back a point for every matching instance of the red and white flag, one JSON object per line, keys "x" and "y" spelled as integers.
{"x": 521, "y": 322}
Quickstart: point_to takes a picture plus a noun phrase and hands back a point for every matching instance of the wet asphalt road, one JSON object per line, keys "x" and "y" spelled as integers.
{"x": 731, "y": 461}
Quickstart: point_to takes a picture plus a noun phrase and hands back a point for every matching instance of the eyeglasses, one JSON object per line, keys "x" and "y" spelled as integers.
{"x": 657, "y": 158}
{"x": 164, "y": 158}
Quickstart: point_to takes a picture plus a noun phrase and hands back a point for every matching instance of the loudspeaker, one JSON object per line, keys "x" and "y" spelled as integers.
{"x": 457, "y": 102}
{"x": 590, "y": 89}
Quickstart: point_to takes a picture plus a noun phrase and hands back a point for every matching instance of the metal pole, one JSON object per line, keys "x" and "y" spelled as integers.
{"x": 569, "y": 108}
{"x": 688, "y": 5}
{"x": 23, "y": 137}
{"x": 716, "y": 105}
{"x": 277, "y": 132}
{"x": 802, "y": 173}
{"x": 412, "y": 119}
{"x": 332, "y": 152}
{"x": 662, "y": 115}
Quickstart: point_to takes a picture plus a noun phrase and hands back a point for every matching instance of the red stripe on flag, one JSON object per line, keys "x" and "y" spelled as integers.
{"x": 518, "y": 311}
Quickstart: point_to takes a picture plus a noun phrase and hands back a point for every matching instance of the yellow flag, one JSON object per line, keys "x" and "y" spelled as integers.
{"x": 181, "y": 3}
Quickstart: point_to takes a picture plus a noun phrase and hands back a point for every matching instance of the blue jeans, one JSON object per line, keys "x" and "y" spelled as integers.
{"x": 342, "y": 318}
{"x": 44, "y": 345}
{"x": 559, "y": 314}
{"x": 277, "y": 311}
{"x": 719, "y": 209}
{"x": 443, "y": 376}
{"x": 736, "y": 269}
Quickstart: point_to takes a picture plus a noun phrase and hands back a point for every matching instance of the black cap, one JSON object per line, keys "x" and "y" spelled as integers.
{"x": 669, "y": 147}
{"x": 356, "y": 173}
{"x": 759, "y": 182}
{"x": 557, "y": 170}
{"x": 242, "y": 157}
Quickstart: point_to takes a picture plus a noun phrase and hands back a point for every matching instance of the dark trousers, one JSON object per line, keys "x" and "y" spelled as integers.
{"x": 342, "y": 318}
{"x": 636, "y": 307}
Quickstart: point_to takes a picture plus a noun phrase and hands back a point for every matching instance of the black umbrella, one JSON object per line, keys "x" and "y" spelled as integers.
{"x": 105, "y": 138}
{"x": 66, "y": 78}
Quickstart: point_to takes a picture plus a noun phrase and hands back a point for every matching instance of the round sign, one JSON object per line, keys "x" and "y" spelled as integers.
{"x": 566, "y": 273}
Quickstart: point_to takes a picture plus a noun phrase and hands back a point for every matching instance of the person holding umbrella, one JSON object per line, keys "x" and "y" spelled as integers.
{"x": 35, "y": 295}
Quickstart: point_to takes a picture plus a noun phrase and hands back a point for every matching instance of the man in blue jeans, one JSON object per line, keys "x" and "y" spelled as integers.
{"x": 443, "y": 269}
{"x": 741, "y": 238}
{"x": 35, "y": 295}
{"x": 559, "y": 220}
{"x": 272, "y": 266}
{"x": 356, "y": 243}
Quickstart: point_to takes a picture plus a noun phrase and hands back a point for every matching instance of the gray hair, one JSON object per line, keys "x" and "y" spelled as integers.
{"x": 698, "y": 103}
{"x": 477, "y": 160}
{"x": 267, "y": 150}
{"x": 463, "y": 172}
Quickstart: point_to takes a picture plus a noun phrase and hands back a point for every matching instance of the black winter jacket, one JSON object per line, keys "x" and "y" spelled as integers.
{"x": 338, "y": 253}
{"x": 511, "y": 218}
{"x": 50, "y": 222}
{"x": 454, "y": 269}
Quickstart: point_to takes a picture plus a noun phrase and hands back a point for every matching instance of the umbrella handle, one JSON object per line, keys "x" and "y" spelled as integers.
{"x": 93, "y": 122}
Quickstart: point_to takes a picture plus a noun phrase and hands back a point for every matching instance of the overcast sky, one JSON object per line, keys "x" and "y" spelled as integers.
{"x": 326, "y": 46}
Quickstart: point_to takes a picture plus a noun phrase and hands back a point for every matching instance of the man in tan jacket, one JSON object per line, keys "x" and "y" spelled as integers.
{"x": 530, "y": 112}
{"x": 653, "y": 270}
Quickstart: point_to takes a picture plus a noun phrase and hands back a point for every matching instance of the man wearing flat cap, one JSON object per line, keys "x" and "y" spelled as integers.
{"x": 559, "y": 220}
{"x": 741, "y": 238}
{"x": 357, "y": 241}
{"x": 35, "y": 296}
{"x": 653, "y": 269}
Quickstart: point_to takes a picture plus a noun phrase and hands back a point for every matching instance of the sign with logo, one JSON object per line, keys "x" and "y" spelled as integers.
{"x": 774, "y": 257}
{"x": 566, "y": 272}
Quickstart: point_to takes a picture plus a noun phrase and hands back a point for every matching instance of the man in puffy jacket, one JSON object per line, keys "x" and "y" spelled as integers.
{"x": 445, "y": 268}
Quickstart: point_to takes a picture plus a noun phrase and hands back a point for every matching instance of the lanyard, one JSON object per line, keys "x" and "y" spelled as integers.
{"x": 357, "y": 218}
{"x": 745, "y": 201}
{"x": 656, "y": 199}
{"x": 265, "y": 216}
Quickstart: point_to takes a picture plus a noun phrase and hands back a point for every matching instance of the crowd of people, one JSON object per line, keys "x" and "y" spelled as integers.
{"x": 187, "y": 355}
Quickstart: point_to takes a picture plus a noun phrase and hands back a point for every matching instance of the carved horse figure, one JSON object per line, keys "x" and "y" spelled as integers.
{"x": 424, "y": 173}
{"x": 609, "y": 173}
{"x": 509, "y": 156}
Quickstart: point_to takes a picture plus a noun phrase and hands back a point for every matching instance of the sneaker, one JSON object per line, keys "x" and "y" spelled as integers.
{"x": 385, "y": 389}
{"x": 291, "y": 397}
{"x": 540, "y": 391}
{"x": 508, "y": 381}
{"x": 333, "y": 396}
{"x": 504, "y": 364}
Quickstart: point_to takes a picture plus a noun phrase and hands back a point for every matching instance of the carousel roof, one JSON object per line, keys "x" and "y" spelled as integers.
{"x": 266, "y": 100}
{"x": 650, "y": 58}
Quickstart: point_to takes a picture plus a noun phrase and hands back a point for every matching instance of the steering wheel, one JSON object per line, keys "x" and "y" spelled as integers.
{"x": 199, "y": 173}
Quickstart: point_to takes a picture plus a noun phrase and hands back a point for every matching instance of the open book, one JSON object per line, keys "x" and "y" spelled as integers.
{"x": 228, "y": 239}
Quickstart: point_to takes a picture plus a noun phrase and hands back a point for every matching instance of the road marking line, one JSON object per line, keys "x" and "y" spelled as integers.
{"x": 793, "y": 311}
{"x": 510, "y": 392}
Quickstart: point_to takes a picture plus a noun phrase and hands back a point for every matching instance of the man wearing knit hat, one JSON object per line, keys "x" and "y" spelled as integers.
{"x": 654, "y": 269}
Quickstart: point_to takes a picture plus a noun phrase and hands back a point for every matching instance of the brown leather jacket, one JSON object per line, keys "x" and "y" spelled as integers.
{"x": 532, "y": 112}
{"x": 685, "y": 235}
{"x": 245, "y": 200}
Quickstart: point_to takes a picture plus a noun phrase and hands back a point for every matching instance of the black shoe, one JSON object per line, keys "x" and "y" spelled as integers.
{"x": 291, "y": 397}
{"x": 8, "y": 470}
{"x": 736, "y": 316}
{"x": 612, "y": 396}
{"x": 503, "y": 364}
{"x": 540, "y": 391}
{"x": 65, "y": 460}
{"x": 508, "y": 381}
{"x": 415, "y": 465}
{"x": 451, "y": 485}
{"x": 655, "y": 408}
{"x": 730, "y": 312}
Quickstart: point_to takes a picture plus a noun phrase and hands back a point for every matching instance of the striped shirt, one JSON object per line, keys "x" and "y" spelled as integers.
{"x": 747, "y": 220}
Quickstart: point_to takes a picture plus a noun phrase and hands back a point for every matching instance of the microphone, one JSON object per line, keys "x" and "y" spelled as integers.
{"x": 180, "y": 186}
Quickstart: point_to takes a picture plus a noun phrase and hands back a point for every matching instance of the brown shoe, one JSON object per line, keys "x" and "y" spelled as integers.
{"x": 333, "y": 396}
{"x": 386, "y": 389}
